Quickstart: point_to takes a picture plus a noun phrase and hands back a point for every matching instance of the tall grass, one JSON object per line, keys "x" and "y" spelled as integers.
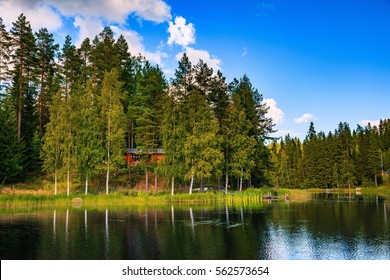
{"x": 250, "y": 196}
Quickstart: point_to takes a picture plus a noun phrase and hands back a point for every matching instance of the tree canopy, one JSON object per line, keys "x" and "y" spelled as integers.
{"x": 71, "y": 113}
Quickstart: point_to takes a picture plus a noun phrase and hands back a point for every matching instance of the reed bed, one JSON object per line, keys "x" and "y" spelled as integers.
{"x": 251, "y": 196}
{"x": 139, "y": 198}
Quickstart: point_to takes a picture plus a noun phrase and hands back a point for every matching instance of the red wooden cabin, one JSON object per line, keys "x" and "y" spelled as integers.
{"x": 133, "y": 156}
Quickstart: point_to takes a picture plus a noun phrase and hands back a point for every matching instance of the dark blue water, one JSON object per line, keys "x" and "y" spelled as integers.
{"x": 323, "y": 228}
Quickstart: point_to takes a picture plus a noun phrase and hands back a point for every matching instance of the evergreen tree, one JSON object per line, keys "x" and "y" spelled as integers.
{"x": 241, "y": 145}
{"x": 311, "y": 156}
{"x": 344, "y": 155}
{"x": 23, "y": 75}
{"x": 183, "y": 80}
{"x": 218, "y": 98}
{"x": 251, "y": 101}
{"x": 70, "y": 66}
{"x": 11, "y": 157}
{"x": 384, "y": 142}
{"x": 104, "y": 55}
{"x": 147, "y": 114}
{"x": 5, "y": 56}
{"x": 173, "y": 139}
{"x": 374, "y": 154}
{"x": 46, "y": 52}
{"x": 203, "y": 77}
{"x": 36, "y": 161}
{"x": 175, "y": 124}
{"x": 85, "y": 51}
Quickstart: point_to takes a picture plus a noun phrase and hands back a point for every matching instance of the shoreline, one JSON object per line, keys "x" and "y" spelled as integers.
{"x": 15, "y": 198}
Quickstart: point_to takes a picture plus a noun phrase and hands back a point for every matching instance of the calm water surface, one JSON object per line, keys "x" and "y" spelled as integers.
{"x": 323, "y": 228}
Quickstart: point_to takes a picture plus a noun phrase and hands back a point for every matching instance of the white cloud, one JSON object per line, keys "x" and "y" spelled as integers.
{"x": 47, "y": 13}
{"x": 136, "y": 45}
{"x": 244, "y": 52}
{"x": 371, "y": 122}
{"x": 305, "y": 118}
{"x": 90, "y": 16}
{"x": 181, "y": 33}
{"x": 88, "y": 28}
{"x": 37, "y": 13}
{"x": 274, "y": 112}
{"x": 195, "y": 55}
{"x": 114, "y": 10}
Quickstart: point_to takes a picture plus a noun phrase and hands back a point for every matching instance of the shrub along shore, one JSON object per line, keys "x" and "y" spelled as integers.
{"x": 15, "y": 198}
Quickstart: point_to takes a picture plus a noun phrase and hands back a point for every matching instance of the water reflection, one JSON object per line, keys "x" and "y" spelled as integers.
{"x": 86, "y": 222}
{"x": 106, "y": 237}
{"x": 341, "y": 228}
{"x": 173, "y": 216}
{"x": 192, "y": 222}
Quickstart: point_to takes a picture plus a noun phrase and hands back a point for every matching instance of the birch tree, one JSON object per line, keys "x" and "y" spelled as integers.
{"x": 113, "y": 123}
{"x": 53, "y": 140}
{"x": 90, "y": 150}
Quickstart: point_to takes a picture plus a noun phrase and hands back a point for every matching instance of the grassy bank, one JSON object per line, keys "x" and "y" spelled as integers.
{"x": 41, "y": 198}
{"x": 17, "y": 198}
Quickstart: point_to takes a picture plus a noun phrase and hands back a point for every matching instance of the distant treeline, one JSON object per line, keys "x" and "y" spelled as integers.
{"x": 71, "y": 113}
{"x": 344, "y": 158}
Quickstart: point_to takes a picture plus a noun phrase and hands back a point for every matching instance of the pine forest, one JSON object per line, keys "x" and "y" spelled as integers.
{"x": 95, "y": 118}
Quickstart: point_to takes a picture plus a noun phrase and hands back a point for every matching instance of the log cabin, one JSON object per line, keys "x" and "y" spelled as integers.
{"x": 133, "y": 155}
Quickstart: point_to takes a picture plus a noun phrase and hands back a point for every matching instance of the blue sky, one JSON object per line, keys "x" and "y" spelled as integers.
{"x": 321, "y": 61}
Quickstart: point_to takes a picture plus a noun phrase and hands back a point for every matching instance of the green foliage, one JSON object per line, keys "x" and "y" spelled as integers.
{"x": 5, "y": 55}
{"x": 80, "y": 113}
{"x": 113, "y": 120}
{"x": 89, "y": 146}
{"x": 46, "y": 53}
{"x": 339, "y": 160}
{"x": 240, "y": 144}
{"x": 11, "y": 157}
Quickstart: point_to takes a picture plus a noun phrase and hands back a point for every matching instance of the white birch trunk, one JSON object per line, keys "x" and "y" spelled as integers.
{"x": 241, "y": 181}
{"x": 86, "y": 184}
{"x": 192, "y": 182}
{"x": 86, "y": 221}
{"x": 192, "y": 176}
{"x": 173, "y": 186}
{"x": 226, "y": 183}
{"x": 67, "y": 181}
{"x": 146, "y": 180}
{"x": 55, "y": 223}
{"x": 227, "y": 215}
{"x": 55, "y": 182}
{"x": 173, "y": 215}
{"x": 107, "y": 177}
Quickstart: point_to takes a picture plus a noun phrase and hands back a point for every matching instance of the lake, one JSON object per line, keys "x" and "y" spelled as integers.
{"x": 325, "y": 227}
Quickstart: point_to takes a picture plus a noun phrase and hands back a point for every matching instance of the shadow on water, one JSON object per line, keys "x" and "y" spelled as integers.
{"x": 326, "y": 227}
